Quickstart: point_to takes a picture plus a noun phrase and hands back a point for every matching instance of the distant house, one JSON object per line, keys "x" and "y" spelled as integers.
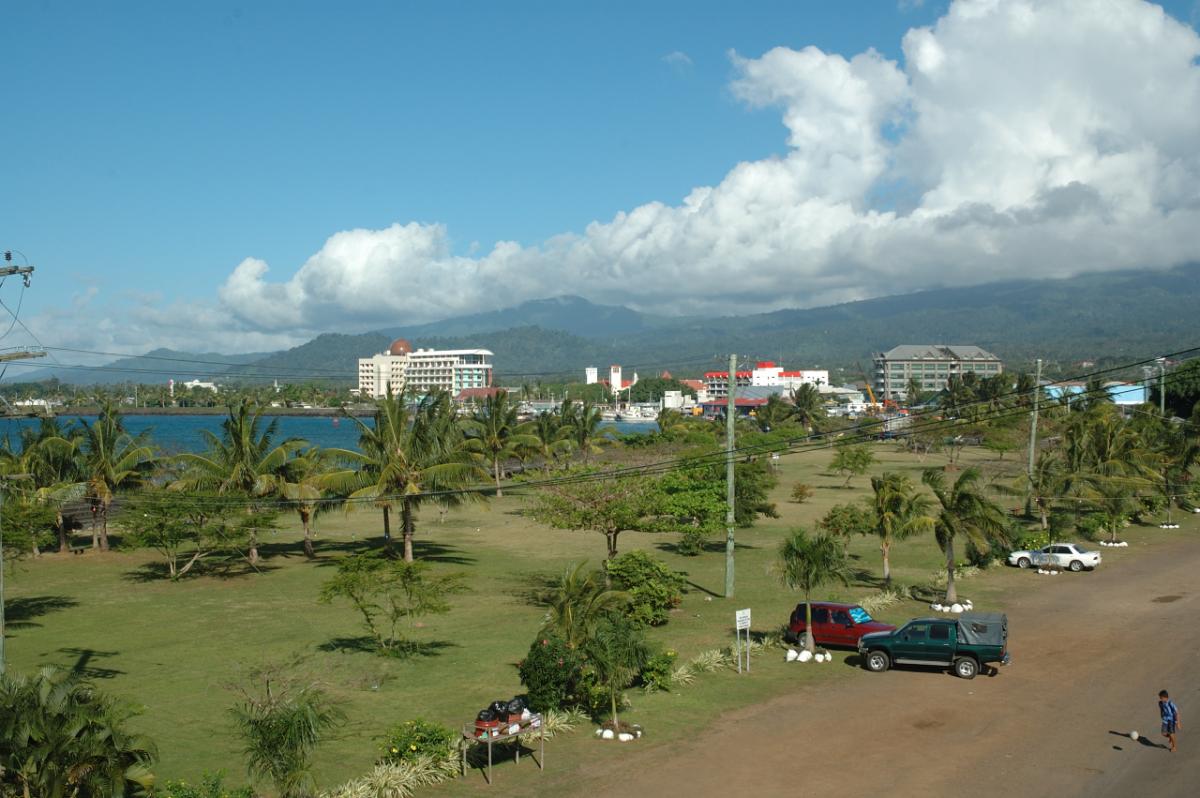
{"x": 931, "y": 365}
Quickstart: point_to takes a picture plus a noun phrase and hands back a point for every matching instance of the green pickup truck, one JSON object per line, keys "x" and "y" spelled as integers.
{"x": 967, "y": 644}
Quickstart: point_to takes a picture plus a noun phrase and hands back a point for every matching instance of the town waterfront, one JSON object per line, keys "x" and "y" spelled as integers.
{"x": 175, "y": 434}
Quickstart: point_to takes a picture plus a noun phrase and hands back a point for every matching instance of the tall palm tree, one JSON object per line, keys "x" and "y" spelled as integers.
{"x": 50, "y": 457}
{"x": 243, "y": 460}
{"x": 774, "y": 414}
{"x": 583, "y": 428}
{"x": 408, "y": 458}
{"x": 965, "y": 513}
{"x": 808, "y": 406}
{"x": 899, "y": 513}
{"x": 547, "y": 427}
{"x": 112, "y": 459}
{"x": 495, "y": 432}
{"x": 805, "y": 563}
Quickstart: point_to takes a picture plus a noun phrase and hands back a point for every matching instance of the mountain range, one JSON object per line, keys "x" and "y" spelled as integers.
{"x": 1110, "y": 317}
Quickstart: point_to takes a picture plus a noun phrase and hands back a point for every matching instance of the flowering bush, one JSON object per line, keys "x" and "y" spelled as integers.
{"x": 551, "y": 673}
{"x": 417, "y": 738}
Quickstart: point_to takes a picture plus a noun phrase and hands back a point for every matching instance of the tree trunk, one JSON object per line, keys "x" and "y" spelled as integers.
{"x": 496, "y": 470}
{"x": 616, "y": 721}
{"x": 810, "y": 642}
{"x": 305, "y": 520}
{"x": 103, "y": 527}
{"x": 387, "y": 528}
{"x": 95, "y": 528}
{"x": 60, "y": 525}
{"x": 1043, "y": 514}
{"x": 951, "y": 590}
{"x": 886, "y": 548}
{"x": 406, "y": 517}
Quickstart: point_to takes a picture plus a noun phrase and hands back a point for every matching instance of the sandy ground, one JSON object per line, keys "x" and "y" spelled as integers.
{"x": 1090, "y": 653}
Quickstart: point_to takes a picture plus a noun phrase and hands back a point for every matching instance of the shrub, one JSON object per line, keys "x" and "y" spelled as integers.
{"x": 1090, "y": 527}
{"x": 691, "y": 542}
{"x": 417, "y": 738}
{"x": 801, "y": 493}
{"x": 551, "y": 673}
{"x": 399, "y": 779}
{"x": 1032, "y": 540}
{"x": 654, "y": 589}
{"x": 210, "y": 786}
{"x": 657, "y": 674}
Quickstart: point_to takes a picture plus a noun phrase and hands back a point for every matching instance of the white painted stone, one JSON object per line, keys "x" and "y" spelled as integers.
{"x": 791, "y": 655}
{"x": 608, "y": 734}
{"x": 956, "y": 608}
{"x": 624, "y": 737}
{"x": 805, "y": 655}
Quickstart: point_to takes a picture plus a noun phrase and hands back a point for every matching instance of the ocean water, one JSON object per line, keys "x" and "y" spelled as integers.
{"x": 178, "y": 434}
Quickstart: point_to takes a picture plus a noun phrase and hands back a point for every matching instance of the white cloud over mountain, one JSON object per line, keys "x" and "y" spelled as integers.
{"x": 1017, "y": 138}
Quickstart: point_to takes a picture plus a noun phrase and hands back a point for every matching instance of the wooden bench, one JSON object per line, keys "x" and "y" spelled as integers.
{"x": 78, "y": 549}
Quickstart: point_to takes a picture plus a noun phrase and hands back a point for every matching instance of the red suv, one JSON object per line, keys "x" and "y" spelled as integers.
{"x": 836, "y": 624}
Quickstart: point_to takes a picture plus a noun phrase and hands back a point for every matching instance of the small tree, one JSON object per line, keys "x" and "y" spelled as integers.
{"x": 281, "y": 722}
{"x": 801, "y": 493}
{"x": 848, "y": 520}
{"x": 617, "y": 652}
{"x": 183, "y": 528}
{"x": 388, "y": 593}
{"x": 899, "y": 513}
{"x": 805, "y": 563}
{"x": 653, "y": 588}
{"x": 577, "y": 602}
{"x": 852, "y": 461}
{"x": 965, "y": 512}
{"x": 609, "y": 506}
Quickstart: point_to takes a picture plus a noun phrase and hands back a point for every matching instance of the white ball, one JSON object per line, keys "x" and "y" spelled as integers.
{"x": 1133, "y": 735}
{"x": 791, "y": 655}
{"x": 805, "y": 655}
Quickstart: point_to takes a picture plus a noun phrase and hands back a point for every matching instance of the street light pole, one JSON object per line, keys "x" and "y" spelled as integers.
{"x": 1162, "y": 386}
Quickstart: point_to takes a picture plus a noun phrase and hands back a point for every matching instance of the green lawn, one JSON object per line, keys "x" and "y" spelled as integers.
{"x": 173, "y": 648}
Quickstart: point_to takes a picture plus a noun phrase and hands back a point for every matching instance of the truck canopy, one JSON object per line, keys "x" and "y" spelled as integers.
{"x": 983, "y": 628}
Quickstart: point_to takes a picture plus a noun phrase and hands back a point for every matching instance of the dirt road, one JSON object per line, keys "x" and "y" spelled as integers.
{"x": 1090, "y": 653}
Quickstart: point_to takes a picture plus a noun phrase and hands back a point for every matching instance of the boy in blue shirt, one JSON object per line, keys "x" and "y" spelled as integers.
{"x": 1170, "y": 717}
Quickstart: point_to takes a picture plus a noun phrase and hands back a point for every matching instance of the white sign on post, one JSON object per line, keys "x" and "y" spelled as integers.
{"x": 742, "y": 624}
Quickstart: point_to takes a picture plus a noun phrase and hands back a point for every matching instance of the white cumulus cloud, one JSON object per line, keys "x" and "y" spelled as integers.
{"x": 1015, "y": 138}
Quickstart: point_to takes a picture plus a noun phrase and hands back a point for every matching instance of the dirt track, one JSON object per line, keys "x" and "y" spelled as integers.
{"x": 1090, "y": 652}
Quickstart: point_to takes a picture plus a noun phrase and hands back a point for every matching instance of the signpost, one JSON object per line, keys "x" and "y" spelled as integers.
{"x": 742, "y": 623}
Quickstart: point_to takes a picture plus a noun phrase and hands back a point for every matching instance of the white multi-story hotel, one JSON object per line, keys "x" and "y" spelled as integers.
{"x": 765, "y": 374}
{"x": 423, "y": 370}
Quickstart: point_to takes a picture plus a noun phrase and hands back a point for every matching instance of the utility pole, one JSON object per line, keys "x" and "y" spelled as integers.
{"x": 3, "y": 628}
{"x": 1037, "y": 393}
{"x": 1162, "y": 387}
{"x": 730, "y": 497}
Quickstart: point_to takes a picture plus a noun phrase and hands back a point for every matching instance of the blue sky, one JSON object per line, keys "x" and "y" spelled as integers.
{"x": 149, "y": 148}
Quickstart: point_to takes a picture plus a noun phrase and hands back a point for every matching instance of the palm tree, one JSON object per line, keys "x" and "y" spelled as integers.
{"x": 111, "y": 459}
{"x": 495, "y": 432}
{"x": 899, "y": 513}
{"x": 577, "y": 602}
{"x": 64, "y": 738}
{"x": 547, "y": 427}
{"x": 582, "y": 428}
{"x": 670, "y": 421}
{"x": 617, "y": 652}
{"x": 244, "y": 460}
{"x": 805, "y": 563}
{"x": 50, "y": 455}
{"x": 913, "y": 392}
{"x": 303, "y": 483}
{"x": 408, "y": 458}
{"x": 808, "y": 407}
{"x": 775, "y": 413}
{"x": 965, "y": 513}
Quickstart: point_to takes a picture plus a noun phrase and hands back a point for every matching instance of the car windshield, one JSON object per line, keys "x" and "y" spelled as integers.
{"x": 859, "y": 615}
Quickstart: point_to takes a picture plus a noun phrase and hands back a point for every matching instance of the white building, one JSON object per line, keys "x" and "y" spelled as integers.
{"x": 765, "y": 374}
{"x": 615, "y": 382}
{"x": 423, "y": 370}
{"x": 208, "y": 386}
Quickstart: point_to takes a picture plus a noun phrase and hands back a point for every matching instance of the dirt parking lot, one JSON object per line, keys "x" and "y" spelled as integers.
{"x": 1090, "y": 653}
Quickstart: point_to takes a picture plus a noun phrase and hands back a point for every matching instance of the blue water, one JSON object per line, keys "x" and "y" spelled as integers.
{"x": 176, "y": 434}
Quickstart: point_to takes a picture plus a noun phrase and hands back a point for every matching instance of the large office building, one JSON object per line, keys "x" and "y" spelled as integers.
{"x": 420, "y": 371}
{"x": 931, "y": 366}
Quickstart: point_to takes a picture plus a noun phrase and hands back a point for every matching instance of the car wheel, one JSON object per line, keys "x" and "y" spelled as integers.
{"x": 965, "y": 668}
{"x": 1023, "y": 562}
{"x": 1076, "y": 566}
{"x": 877, "y": 661}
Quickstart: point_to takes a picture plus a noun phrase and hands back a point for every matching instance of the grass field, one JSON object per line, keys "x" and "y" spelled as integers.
{"x": 174, "y": 647}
